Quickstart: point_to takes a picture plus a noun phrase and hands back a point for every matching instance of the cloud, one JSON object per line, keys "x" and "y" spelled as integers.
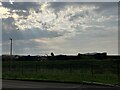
{"x": 66, "y": 20}
{"x": 18, "y": 8}
{"x": 20, "y": 5}
{"x": 28, "y": 34}
{"x": 61, "y": 27}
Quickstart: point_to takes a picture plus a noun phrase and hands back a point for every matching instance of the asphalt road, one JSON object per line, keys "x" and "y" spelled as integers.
{"x": 24, "y": 85}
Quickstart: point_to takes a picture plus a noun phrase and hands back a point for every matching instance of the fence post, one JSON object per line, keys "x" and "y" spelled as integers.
{"x": 36, "y": 67}
{"x": 70, "y": 68}
{"x": 10, "y": 66}
{"x": 92, "y": 70}
{"x": 22, "y": 68}
{"x": 118, "y": 72}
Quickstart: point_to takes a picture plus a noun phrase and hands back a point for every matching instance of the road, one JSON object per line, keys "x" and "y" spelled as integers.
{"x": 24, "y": 85}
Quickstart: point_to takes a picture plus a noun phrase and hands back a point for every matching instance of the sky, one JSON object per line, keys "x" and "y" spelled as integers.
{"x": 39, "y": 28}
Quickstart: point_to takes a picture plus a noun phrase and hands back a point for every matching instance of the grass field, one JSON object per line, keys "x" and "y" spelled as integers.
{"x": 72, "y": 70}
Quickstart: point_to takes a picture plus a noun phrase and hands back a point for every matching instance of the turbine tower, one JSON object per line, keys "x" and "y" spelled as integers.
{"x": 11, "y": 46}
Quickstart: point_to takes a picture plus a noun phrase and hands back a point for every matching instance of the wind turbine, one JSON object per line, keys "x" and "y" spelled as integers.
{"x": 10, "y": 46}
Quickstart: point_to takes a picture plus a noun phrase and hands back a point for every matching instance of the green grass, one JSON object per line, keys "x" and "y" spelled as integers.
{"x": 72, "y": 71}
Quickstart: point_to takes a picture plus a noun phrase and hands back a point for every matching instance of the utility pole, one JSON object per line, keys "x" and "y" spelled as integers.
{"x": 11, "y": 46}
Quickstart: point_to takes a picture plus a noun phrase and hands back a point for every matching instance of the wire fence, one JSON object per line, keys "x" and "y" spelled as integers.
{"x": 72, "y": 70}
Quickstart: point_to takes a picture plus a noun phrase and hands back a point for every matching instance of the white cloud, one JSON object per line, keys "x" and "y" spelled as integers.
{"x": 69, "y": 19}
{"x": 4, "y": 12}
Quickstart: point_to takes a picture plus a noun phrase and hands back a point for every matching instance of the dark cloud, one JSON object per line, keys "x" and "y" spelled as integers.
{"x": 109, "y": 7}
{"x": 8, "y": 20}
{"x": 8, "y": 25}
{"x": 20, "y": 5}
{"x": 22, "y": 13}
{"x": 38, "y": 33}
{"x": 106, "y": 5}
{"x": 28, "y": 34}
{"x": 11, "y": 30}
{"x": 58, "y": 6}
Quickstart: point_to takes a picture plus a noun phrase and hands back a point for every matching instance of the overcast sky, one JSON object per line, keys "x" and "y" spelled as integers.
{"x": 59, "y": 27}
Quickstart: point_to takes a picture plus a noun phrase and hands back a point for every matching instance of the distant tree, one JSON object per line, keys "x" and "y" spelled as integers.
{"x": 52, "y": 54}
{"x": 79, "y": 54}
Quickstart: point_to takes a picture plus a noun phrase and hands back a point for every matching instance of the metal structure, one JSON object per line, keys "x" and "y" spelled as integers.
{"x": 11, "y": 46}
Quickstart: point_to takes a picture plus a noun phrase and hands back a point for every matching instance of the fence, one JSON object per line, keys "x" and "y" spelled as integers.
{"x": 103, "y": 71}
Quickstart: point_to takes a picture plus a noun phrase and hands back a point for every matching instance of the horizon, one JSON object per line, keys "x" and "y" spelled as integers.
{"x": 60, "y": 54}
